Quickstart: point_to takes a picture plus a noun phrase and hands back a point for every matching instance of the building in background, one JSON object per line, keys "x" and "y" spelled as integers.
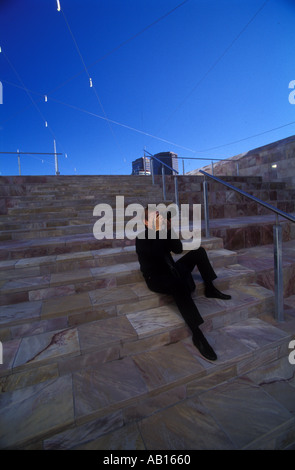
{"x": 170, "y": 159}
{"x": 141, "y": 166}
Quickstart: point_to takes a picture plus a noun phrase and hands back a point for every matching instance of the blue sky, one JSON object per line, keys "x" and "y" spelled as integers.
{"x": 190, "y": 77}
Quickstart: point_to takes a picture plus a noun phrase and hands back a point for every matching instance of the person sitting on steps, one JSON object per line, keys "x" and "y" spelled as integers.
{"x": 163, "y": 275}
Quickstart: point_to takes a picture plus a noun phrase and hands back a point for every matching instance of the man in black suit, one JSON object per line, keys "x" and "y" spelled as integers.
{"x": 163, "y": 275}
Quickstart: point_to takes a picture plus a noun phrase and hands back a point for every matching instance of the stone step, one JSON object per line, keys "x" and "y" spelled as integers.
{"x": 27, "y": 221}
{"x": 16, "y": 249}
{"x": 46, "y": 232}
{"x": 41, "y": 242}
{"x": 219, "y": 191}
{"x": 21, "y": 186}
{"x": 236, "y": 232}
{"x": 80, "y": 306}
{"x": 54, "y": 231}
{"x": 19, "y": 284}
{"x": 263, "y": 191}
{"x": 53, "y": 225}
{"x": 25, "y": 267}
{"x": 71, "y": 210}
{"x": 130, "y": 331}
{"x": 133, "y": 330}
{"x": 216, "y": 190}
{"x": 249, "y": 231}
{"x": 79, "y": 197}
{"x": 219, "y": 211}
{"x": 60, "y": 207}
{"x": 91, "y": 354}
{"x": 214, "y": 197}
{"x": 71, "y": 191}
{"x": 84, "y": 408}
{"x": 262, "y": 260}
{"x": 48, "y": 286}
{"x": 47, "y": 180}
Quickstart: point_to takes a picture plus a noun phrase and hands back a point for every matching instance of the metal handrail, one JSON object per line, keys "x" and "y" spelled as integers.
{"x": 18, "y": 153}
{"x": 236, "y": 162}
{"x": 277, "y": 233}
{"x": 255, "y": 199}
{"x": 152, "y": 157}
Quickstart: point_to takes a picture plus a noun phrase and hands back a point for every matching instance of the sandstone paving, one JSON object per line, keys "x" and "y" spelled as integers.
{"x": 37, "y": 327}
{"x": 22, "y": 311}
{"x": 87, "y": 433}
{"x": 128, "y": 437}
{"x": 255, "y": 334}
{"x": 94, "y": 360}
{"x": 102, "y": 333}
{"x": 10, "y": 349}
{"x": 106, "y": 387}
{"x": 244, "y": 411}
{"x": 27, "y": 378}
{"x": 44, "y": 347}
{"x": 150, "y": 321}
{"x": 262, "y": 260}
{"x": 97, "y": 389}
{"x": 27, "y": 283}
{"x": 41, "y": 408}
{"x": 278, "y": 381}
{"x": 232, "y": 230}
{"x": 185, "y": 426}
{"x": 61, "y": 305}
{"x": 290, "y": 302}
{"x": 171, "y": 364}
{"x": 107, "y": 296}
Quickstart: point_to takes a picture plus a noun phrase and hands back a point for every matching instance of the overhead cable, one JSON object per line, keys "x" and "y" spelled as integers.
{"x": 214, "y": 64}
{"x": 90, "y": 80}
{"x": 146, "y": 133}
{"x": 165, "y": 140}
{"x": 28, "y": 94}
{"x": 119, "y": 46}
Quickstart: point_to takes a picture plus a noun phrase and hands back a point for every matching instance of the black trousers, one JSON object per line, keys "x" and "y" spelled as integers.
{"x": 180, "y": 284}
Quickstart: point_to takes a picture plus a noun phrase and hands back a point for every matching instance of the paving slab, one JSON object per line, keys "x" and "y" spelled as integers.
{"x": 244, "y": 411}
{"x": 46, "y": 346}
{"x": 106, "y": 387}
{"x": 41, "y": 408}
{"x": 186, "y": 426}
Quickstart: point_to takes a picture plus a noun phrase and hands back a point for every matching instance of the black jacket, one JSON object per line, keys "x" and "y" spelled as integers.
{"x": 154, "y": 255}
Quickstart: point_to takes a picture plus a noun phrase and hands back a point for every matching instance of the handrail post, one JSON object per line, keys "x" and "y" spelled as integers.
{"x": 206, "y": 207}
{"x": 176, "y": 190}
{"x": 278, "y": 271}
{"x": 152, "y": 170}
{"x": 277, "y": 235}
{"x": 55, "y": 158}
{"x": 163, "y": 182}
{"x": 18, "y": 159}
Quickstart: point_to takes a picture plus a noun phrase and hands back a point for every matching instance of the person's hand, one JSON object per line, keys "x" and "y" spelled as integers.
{"x": 153, "y": 221}
{"x": 160, "y": 221}
{"x": 157, "y": 222}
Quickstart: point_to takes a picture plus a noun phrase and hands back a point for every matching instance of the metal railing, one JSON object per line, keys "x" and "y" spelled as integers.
{"x": 212, "y": 160}
{"x": 18, "y": 153}
{"x": 277, "y": 234}
{"x": 152, "y": 157}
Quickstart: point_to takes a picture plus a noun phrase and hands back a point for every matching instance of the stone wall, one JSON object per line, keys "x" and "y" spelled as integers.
{"x": 260, "y": 161}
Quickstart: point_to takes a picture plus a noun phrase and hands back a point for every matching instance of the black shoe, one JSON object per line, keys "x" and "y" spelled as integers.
{"x": 213, "y": 293}
{"x": 204, "y": 347}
